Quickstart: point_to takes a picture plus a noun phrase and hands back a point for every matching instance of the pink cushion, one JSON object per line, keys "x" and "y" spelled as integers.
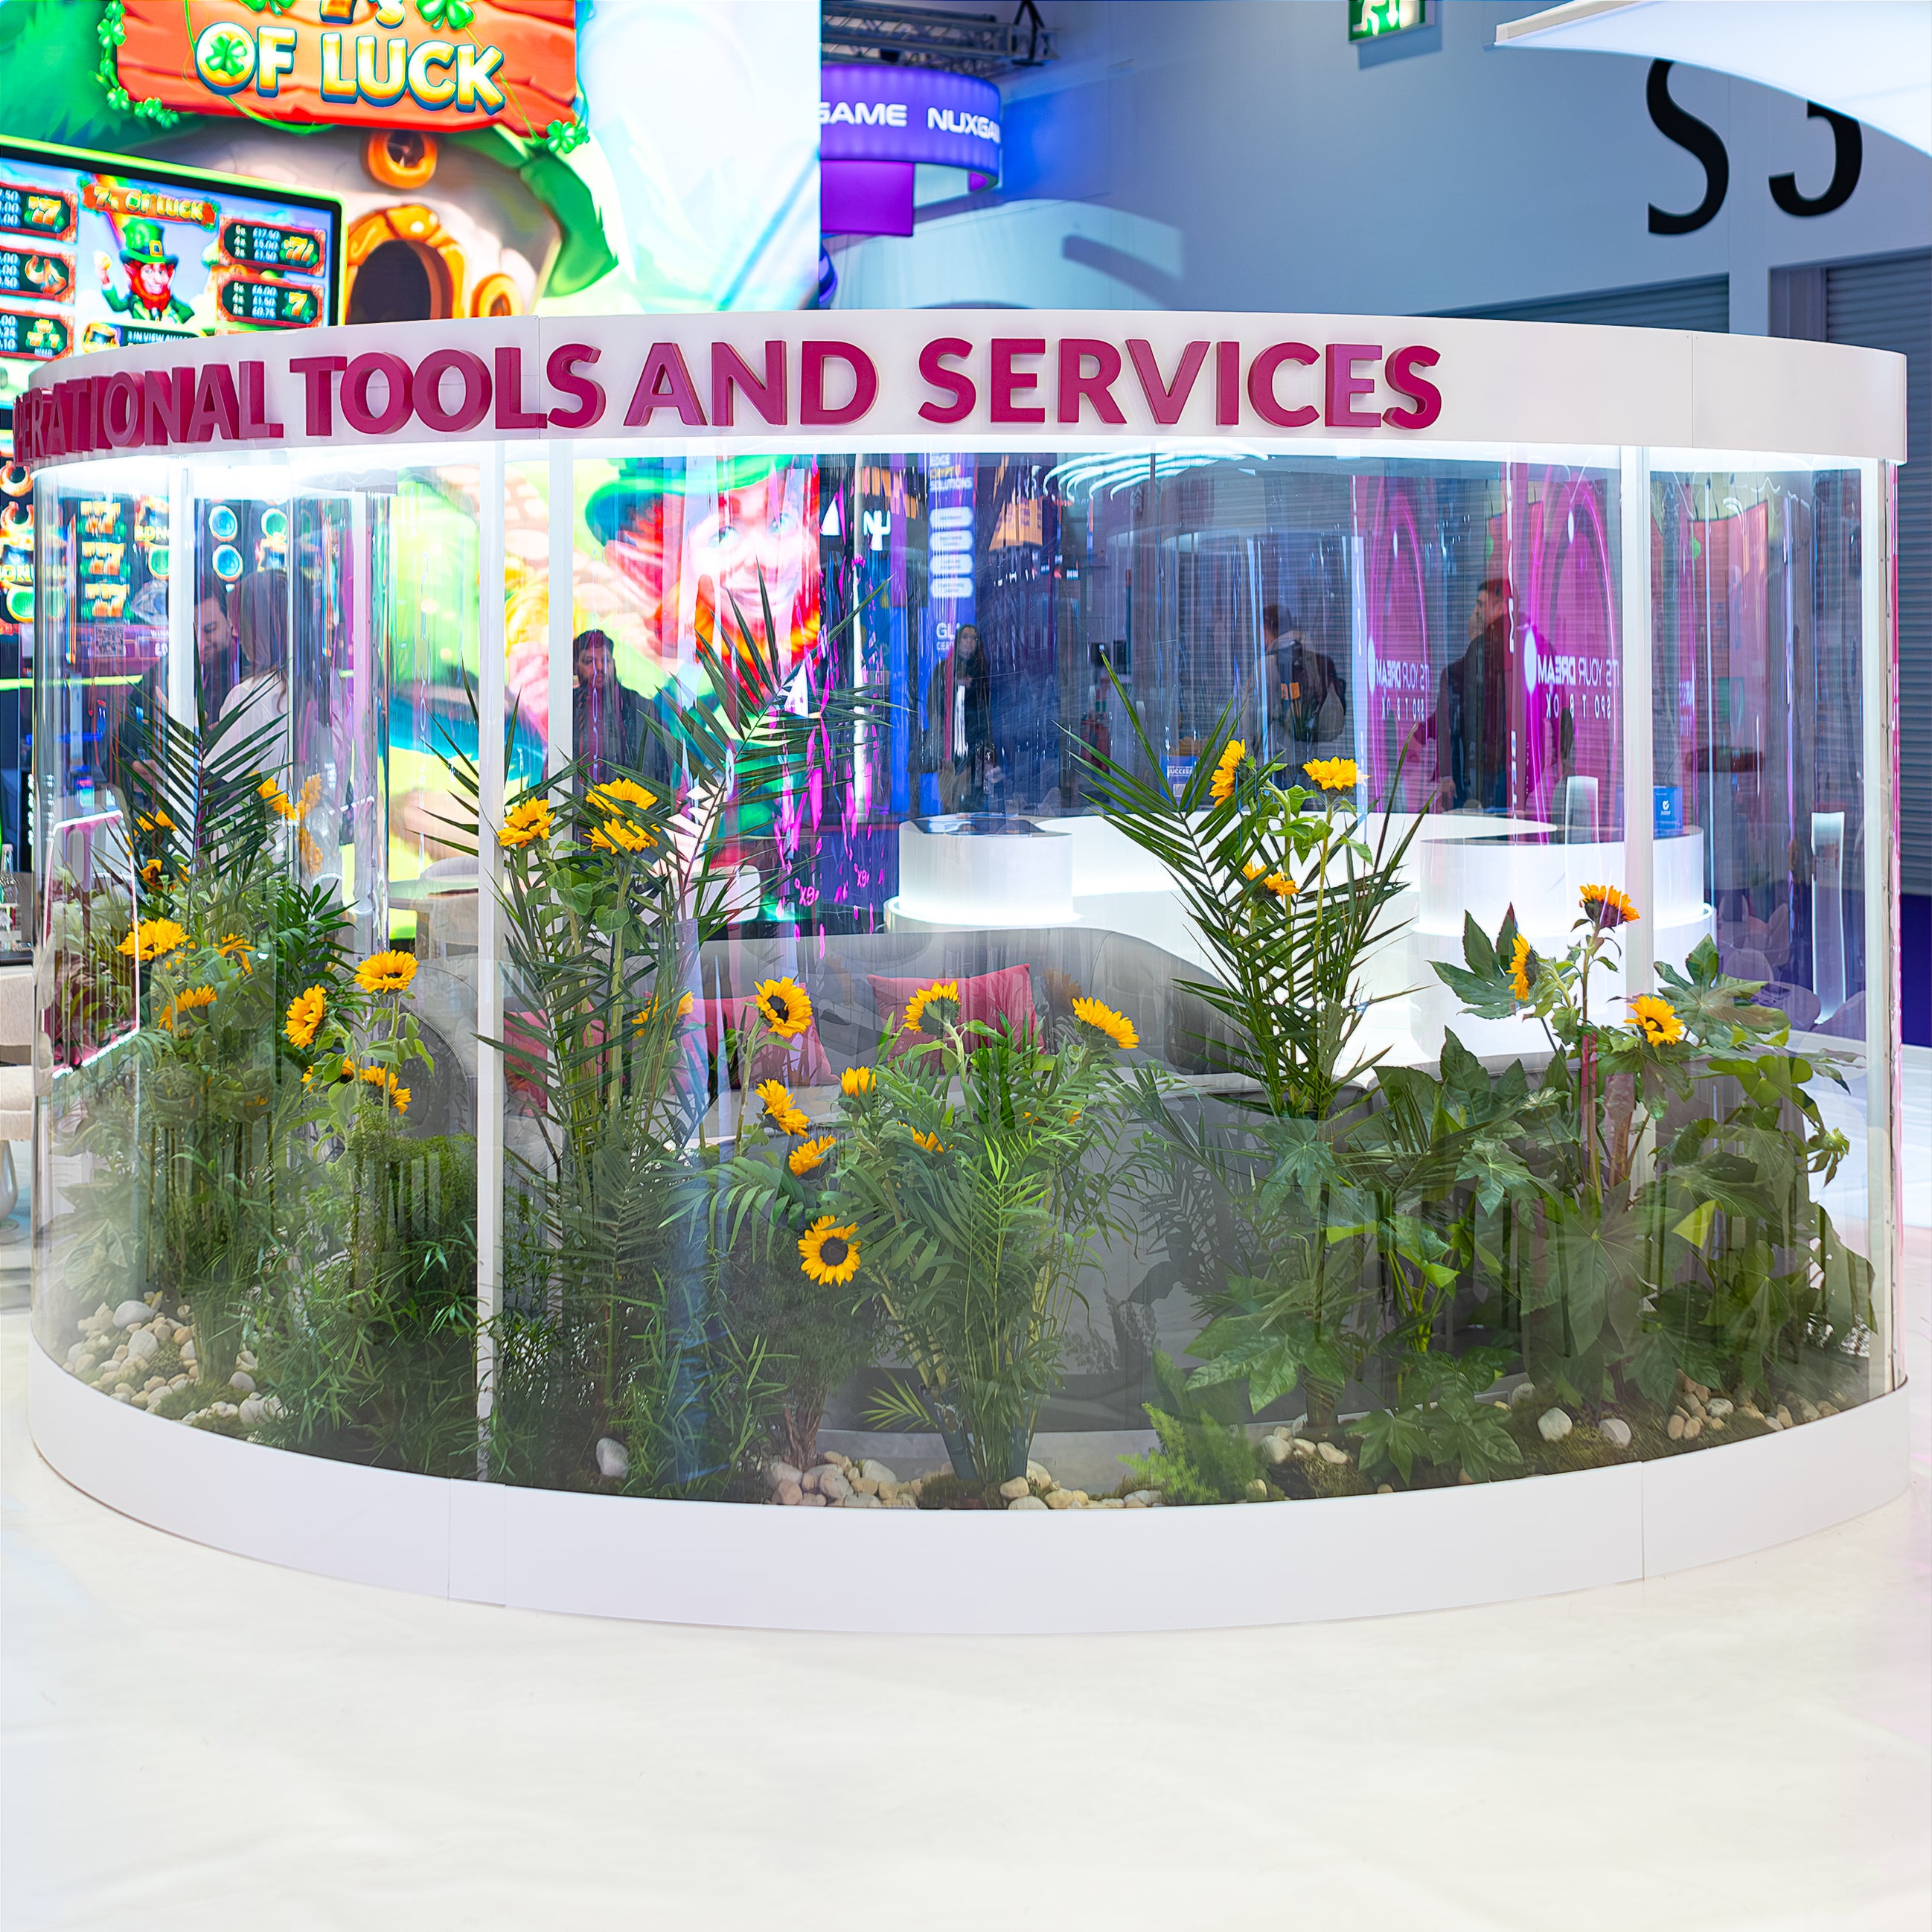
{"x": 801, "y": 1062}
{"x": 993, "y": 997}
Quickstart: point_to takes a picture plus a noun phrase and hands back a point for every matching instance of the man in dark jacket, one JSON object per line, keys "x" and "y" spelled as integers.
{"x": 609, "y": 726}
{"x": 1472, "y": 707}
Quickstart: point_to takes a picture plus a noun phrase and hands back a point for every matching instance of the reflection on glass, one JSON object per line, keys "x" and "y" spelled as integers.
{"x": 1040, "y": 979}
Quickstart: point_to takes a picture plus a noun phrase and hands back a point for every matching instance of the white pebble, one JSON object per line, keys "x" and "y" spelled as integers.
{"x": 129, "y": 1313}
{"x": 243, "y": 1381}
{"x": 613, "y": 1460}
{"x": 1027, "y": 1501}
{"x": 1614, "y": 1429}
{"x": 1553, "y": 1425}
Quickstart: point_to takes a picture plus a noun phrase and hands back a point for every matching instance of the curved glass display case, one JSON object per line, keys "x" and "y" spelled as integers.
{"x": 998, "y": 973}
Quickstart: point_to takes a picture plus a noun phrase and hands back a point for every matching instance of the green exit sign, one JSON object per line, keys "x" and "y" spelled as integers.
{"x": 1370, "y": 19}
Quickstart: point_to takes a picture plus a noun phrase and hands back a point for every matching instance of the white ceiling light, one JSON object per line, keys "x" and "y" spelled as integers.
{"x": 1871, "y": 59}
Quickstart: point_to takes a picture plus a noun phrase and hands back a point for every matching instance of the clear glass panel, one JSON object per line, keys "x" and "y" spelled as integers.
{"x": 259, "y": 1130}
{"x": 985, "y": 961}
{"x": 1758, "y": 751}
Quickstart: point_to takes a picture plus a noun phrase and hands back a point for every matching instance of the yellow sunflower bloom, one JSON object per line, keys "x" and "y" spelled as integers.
{"x": 1282, "y": 885}
{"x": 233, "y": 947}
{"x": 1253, "y": 870}
{"x": 828, "y": 1255}
{"x": 1117, "y": 1027}
{"x": 193, "y": 1000}
{"x": 617, "y": 832}
{"x": 931, "y": 1143}
{"x": 622, "y": 791}
{"x": 399, "y": 1098}
{"x": 808, "y": 1154}
{"x": 153, "y": 939}
{"x": 786, "y": 1006}
{"x": 152, "y": 874}
{"x": 527, "y": 823}
{"x": 1221, "y": 787}
{"x": 794, "y": 1120}
{"x": 305, "y": 1013}
{"x": 1333, "y": 774}
{"x": 386, "y": 972}
{"x": 777, "y": 1097}
{"x": 939, "y": 993}
{"x": 159, "y": 822}
{"x": 278, "y": 800}
{"x": 1606, "y": 907}
{"x": 1523, "y": 969}
{"x": 1658, "y": 1019}
{"x": 649, "y": 1011}
{"x": 855, "y": 1080}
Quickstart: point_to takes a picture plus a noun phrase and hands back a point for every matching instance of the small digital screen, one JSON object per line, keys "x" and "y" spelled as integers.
{"x": 100, "y": 252}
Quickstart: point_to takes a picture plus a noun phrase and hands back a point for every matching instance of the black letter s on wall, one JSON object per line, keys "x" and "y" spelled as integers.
{"x": 1848, "y": 158}
{"x": 1701, "y": 140}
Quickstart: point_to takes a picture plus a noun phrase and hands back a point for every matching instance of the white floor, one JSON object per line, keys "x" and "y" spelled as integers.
{"x": 186, "y": 1736}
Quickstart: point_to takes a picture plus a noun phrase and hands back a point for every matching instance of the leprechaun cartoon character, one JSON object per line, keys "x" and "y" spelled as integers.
{"x": 150, "y": 273}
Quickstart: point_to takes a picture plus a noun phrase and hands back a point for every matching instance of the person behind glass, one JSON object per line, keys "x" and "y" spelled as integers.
{"x": 969, "y": 779}
{"x": 215, "y": 653}
{"x": 609, "y": 727}
{"x": 1472, "y": 709}
{"x": 1311, "y": 697}
{"x": 260, "y": 617}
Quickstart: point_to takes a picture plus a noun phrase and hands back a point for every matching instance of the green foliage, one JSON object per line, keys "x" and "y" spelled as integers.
{"x": 1287, "y": 962}
{"x": 1204, "y": 1456}
{"x": 615, "y": 1321}
{"x": 1441, "y": 1423}
{"x": 373, "y": 1361}
{"x": 971, "y": 1175}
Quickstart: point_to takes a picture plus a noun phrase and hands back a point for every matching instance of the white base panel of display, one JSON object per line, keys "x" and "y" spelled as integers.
{"x": 958, "y": 1572}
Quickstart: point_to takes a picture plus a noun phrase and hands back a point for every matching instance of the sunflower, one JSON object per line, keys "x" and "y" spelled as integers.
{"x": 828, "y": 1255}
{"x": 159, "y": 822}
{"x": 278, "y": 803}
{"x": 931, "y": 1143}
{"x": 808, "y": 1154}
{"x": 624, "y": 791}
{"x": 855, "y": 1080}
{"x": 941, "y": 992}
{"x": 305, "y": 1012}
{"x": 1658, "y": 1018}
{"x": 152, "y": 874}
{"x": 386, "y": 972}
{"x": 1103, "y": 1019}
{"x": 1253, "y": 870}
{"x": 1523, "y": 969}
{"x": 617, "y": 831}
{"x": 311, "y": 793}
{"x": 1605, "y": 907}
{"x": 1333, "y": 774}
{"x": 381, "y": 1077}
{"x": 786, "y": 1006}
{"x": 233, "y": 947}
{"x": 617, "y": 835}
{"x": 193, "y": 1000}
{"x": 527, "y": 823}
{"x": 1282, "y": 885}
{"x": 777, "y": 1100}
{"x": 1221, "y": 787}
{"x": 152, "y": 938}
{"x": 794, "y": 1120}
{"x": 649, "y": 1013}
